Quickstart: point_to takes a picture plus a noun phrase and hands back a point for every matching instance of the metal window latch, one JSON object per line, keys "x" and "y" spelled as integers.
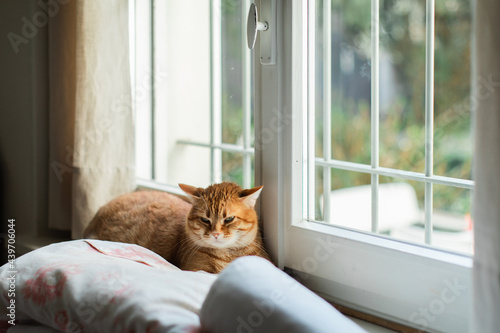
{"x": 268, "y": 26}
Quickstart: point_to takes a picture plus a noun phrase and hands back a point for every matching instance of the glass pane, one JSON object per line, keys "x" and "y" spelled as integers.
{"x": 350, "y": 79}
{"x": 195, "y": 174}
{"x": 402, "y": 118}
{"x": 402, "y": 84}
{"x": 451, "y": 218}
{"x": 233, "y": 169}
{"x": 204, "y": 92}
{"x": 452, "y": 133}
{"x": 350, "y": 200}
{"x": 317, "y": 214}
{"x": 233, "y": 70}
{"x": 401, "y": 214}
{"x": 401, "y": 209}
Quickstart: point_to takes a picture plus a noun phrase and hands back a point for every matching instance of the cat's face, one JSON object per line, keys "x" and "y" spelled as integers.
{"x": 222, "y": 215}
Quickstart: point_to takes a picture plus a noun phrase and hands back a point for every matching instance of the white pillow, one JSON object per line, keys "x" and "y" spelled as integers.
{"x": 100, "y": 286}
{"x": 252, "y": 296}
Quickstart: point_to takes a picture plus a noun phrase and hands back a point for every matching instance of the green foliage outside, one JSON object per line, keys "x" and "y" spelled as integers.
{"x": 402, "y": 146}
{"x": 402, "y": 132}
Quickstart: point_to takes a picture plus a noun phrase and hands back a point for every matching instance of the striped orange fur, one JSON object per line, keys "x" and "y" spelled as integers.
{"x": 216, "y": 227}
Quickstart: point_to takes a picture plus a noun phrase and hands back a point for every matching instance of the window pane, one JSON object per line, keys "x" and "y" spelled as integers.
{"x": 401, "y": 214}
{"x": 234, "y": 171}
{"x": 202, "y": 95}
{"x": 350, "y": 79}
{"x": 396, "y": 201}
{"x": 350, "y": 200}
{"x": 232, "y": 69}
{"x": 401, "y": 209}
{"x": 402, "y": 84}
{"x": 452, "y": 134}
{"x": 452, "y": 220}
{"x": 182, "y": 117}
{"x": 191, "y": 165}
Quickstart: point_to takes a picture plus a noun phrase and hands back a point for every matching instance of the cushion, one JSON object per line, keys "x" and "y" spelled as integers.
{"x": 100, "y": 286}
{"x": 251, "y": 295}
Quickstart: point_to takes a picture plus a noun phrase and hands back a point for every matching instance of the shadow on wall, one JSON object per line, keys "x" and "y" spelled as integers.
{"x": 3, "y": 223}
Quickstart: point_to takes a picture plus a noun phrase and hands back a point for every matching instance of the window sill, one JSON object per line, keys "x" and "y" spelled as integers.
{"x": 369, "y": 327}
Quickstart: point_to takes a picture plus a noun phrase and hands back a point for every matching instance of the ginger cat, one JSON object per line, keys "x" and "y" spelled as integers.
{"x": 218, "y": 226}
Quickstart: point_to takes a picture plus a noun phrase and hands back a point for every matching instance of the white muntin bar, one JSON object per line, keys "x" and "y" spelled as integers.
{"x": 215, "y": 91}
{"x": 429, "y": 116}
{"x": 300, "y": 106}
{"x": 309, "y": 137}
{"x": 395, "y": 173}
{"x": 153, "y": 92}
{"x": 226, "y": 147}
{"x": 246, "y": 87}
{"x": 142, "y": 22}
{"x": 327, "y": 106}
{"x": 160, "y": 106}
{"x": 374, "y": 110}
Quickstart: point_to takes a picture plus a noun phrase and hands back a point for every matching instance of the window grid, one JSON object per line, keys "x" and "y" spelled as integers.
{"x": 216, "y": 146}
{"x": 327, "y": 163}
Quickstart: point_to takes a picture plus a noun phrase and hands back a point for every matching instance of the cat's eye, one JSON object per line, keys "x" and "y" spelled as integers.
{"x": 204, "y": 220}
{"x": 229, "y": 219}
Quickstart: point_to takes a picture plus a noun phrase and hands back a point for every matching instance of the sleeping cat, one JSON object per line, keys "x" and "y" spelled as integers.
{"x": 218, "y": 226}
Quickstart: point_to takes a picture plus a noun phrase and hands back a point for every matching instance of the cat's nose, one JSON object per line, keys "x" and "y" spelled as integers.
{"x": 216, "y": 234}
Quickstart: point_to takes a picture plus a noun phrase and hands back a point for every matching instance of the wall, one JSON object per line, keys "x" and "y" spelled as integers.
{"x": 23, "y": 118}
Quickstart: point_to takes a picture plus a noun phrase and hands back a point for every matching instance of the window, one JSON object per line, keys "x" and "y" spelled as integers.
{"x": 208, "y": 95}
{"x": 411, "y": 284}
{"x": 412, "y": 180}
{"x": 193, "y": 92}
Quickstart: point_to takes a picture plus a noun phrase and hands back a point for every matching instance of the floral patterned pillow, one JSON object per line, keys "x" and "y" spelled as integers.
{"x": 100, "y": 286}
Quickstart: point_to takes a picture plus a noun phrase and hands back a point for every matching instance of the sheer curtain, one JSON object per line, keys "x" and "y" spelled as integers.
{"x": 91, "y": 118}
{"x": 486, "y": 98}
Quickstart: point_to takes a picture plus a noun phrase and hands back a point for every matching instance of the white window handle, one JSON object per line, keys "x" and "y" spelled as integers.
{"x": 268, "y": 24}
{"x": 253, "y": 26}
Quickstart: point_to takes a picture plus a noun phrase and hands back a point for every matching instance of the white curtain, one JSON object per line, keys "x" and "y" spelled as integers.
{"x": 486, "y": 105}
{"x": 91, "y": 118}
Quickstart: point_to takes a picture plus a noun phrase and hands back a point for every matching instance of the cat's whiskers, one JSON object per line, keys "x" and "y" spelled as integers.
{"x": 238, "y": 244}
{"x": 242, "y": 244}
{"x": 181, "y": 242}
{"x": 191, "y": 250}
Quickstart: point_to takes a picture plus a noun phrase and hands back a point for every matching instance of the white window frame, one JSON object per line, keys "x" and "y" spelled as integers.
{"x": 409, "y": 284}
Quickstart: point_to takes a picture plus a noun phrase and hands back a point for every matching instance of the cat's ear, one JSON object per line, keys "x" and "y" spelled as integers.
{"x": 250, "y": 196}
{"x": 191, "y": 190}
